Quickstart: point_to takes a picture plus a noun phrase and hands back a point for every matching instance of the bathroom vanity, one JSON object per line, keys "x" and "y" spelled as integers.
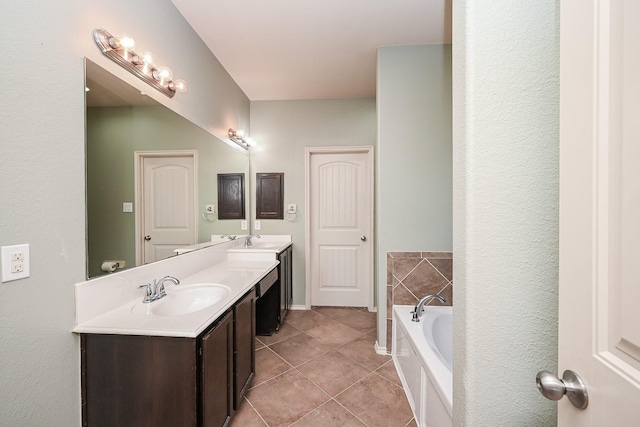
{"x": 155, "y": 381}
{"x": 273, "y": 303}
{"x": 184, "y": 360}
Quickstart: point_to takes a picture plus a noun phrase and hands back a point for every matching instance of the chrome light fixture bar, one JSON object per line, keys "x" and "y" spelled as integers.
{"x": 237, "y": 136}
{"x": 121, "y": 50}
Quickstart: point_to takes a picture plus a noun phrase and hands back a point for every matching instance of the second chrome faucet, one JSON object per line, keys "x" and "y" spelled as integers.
{"x": 155, "y": 292}
{"x": 417, "y": 310}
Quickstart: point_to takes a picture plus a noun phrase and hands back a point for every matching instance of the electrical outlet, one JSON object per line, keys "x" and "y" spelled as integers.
{"x": 257, "y": 225}
{"x": 15, "y": 262}
{"x": 17, "y": 267}
{"x": 243, "y": 225}
{"x": 127, "y": 207}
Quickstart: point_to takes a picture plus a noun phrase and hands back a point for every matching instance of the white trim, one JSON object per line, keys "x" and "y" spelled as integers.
{"x": 139, "y": 157}
{"x": 380, "y": 350}
{"x": 299, "y": 307}
{"x": 309, "y": 151}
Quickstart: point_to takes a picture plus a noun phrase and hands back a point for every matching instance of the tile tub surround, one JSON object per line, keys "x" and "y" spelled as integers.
{"x": 412, "y": 275}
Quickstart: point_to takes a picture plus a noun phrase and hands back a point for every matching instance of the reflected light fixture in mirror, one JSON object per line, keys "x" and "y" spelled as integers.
{"x": 239, "y": 138}
{"x": 121, "y": 50}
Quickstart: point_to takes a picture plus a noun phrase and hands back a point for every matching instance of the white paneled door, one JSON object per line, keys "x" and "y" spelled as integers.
{"x": 340, "y": 225}
{"x": 599, "y": 325}
{"x": 167, "y": 203}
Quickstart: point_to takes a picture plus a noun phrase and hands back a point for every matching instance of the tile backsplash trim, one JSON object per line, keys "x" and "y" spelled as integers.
{"x": 412, "y": 275}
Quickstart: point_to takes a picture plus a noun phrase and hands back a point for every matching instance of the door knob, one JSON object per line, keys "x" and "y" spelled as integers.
{"x": 363, "y": 238}
{"x": 147, "y": 237}
{"x": 553, "y": 388}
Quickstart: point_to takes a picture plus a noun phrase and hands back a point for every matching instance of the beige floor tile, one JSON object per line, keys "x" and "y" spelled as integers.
{"x": 247, "y": 417}
{"x": 306, "y": 319}
{"x": 359, "y": 320}
{"x": 330, "y": 414}
{"x": 299, "y": 349}
{"x": 334, "y": 333}
{"x": 388, "y": 370}
{"x": 268, "y": 365}
{"x": 333, "y": 372}
{"x": 285, "y": 399}
{"x": 377, "y": 402}
{"x": 285, "y": 331}
{"x": 362, "y": 351}
{"x": 259, "y": 344}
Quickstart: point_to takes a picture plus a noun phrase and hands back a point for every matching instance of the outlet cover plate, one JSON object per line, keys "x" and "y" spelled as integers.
{"x": 11, "y": 257}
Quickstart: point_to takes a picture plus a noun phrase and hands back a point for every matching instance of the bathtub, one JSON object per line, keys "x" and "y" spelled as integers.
{"x": 422, "y": 353}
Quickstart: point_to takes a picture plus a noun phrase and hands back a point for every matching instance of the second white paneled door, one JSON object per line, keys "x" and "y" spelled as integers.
{"x": 166, "y": 196}
{"x": 340, "y": 226}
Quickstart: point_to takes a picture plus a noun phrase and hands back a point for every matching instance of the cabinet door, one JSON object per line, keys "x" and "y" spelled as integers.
{"x": 138, "y": 381}
{"x": 217, "y": 373}
{"x": 244, "y": 313}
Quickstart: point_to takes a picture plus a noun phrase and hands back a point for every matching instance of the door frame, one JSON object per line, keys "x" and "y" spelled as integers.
{"x": 310, "y": 151}
{"x": 138, "y": 184}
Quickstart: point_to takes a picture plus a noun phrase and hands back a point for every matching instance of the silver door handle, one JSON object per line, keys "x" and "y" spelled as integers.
{"x": 363, "y": 238}
{"x": 147, "y": 237}
{"x": 553, "y": 388}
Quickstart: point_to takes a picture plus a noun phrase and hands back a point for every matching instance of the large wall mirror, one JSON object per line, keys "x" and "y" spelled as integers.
{"x": 124, "y": 126}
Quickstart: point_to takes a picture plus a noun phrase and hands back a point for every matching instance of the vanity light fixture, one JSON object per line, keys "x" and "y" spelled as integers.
{"x": 120, "y": 49}
{"x": 238, "y": 137}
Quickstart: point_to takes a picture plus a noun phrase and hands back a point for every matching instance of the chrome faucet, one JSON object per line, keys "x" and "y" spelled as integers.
{"x": 157, "y": 292}
{"x": 228, "y": 236}
{"x": 247, "y": 240}
{"x": 417, "y": 310}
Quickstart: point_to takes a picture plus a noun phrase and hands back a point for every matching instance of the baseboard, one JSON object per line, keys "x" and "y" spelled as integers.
{"x": 298, "y": 307}
{"x": 380, "y": 350}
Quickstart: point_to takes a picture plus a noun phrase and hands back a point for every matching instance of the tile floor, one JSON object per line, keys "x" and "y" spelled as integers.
{"x": 321, "y": 369}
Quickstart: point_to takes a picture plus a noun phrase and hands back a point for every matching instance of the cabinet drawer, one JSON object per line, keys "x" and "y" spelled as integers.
{"x": 266, "y": 282}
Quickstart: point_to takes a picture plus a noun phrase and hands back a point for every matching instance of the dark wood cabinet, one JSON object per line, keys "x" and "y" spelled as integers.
{"x": 244, "y": 352}
{"x": 217, "y": 373}
{"x": 231, "y": 196}
{"x": 270, "y": 196}
{"x": 272, "y": 306}
{"x": 170, "y": 381}
{"x": 286, "y": 275}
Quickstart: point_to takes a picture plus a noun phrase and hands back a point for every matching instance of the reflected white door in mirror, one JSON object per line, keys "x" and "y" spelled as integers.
{"x": 166, "y": 192}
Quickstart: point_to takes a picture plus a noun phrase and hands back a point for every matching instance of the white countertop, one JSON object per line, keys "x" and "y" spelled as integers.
{"x": 129, "y": 319}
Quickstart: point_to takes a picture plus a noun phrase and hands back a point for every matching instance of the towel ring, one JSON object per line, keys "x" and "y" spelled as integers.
{"x": 206, "y": 214}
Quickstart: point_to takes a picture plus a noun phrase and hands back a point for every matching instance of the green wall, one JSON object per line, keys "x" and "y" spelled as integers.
{"x": 113, "y": 135}
{"x": 414, "y": 156}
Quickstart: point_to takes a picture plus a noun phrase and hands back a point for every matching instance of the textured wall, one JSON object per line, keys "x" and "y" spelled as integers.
{"x": 42, "y": 176}
{"x": 505, "y": 210}
{"x": 413, "y": 156}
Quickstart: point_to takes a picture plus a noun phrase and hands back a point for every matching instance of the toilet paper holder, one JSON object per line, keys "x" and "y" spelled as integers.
{"x": 111, "y": 266}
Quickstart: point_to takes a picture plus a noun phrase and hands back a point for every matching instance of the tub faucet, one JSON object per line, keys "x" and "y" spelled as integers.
{"x": 157, "y": 291}
{"x": 247, "y": 240}
{"x": 417, "y": 310}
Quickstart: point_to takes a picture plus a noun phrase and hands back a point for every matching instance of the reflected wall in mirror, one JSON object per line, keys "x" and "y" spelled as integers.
{"x": 120, "y": 121}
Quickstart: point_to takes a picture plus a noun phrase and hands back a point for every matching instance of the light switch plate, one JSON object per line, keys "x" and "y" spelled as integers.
{"x": 15, "y": 262}
{"x": 127, "y": 207}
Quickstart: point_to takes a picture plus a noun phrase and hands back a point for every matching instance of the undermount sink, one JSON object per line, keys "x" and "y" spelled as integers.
{"x": 184, "y": 299}
{"x": 256, "y": 245}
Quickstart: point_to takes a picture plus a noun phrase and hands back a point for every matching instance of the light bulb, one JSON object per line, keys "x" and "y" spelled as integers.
{"x": 179, "y": 85}
{"x": 126, "y": 42}
{"x": 163, "y": 74}
{"x": 250, "y": 141}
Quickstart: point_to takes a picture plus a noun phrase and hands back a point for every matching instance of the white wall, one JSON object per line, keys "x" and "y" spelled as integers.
{"x": 42, "y": 175}
{"x": 505, "y": 210}
{"x": 282, "y": 130}
{"x": 414, "y": 166}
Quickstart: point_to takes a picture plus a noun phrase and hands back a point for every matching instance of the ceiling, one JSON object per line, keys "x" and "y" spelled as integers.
{"x": 299, "y": 49}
